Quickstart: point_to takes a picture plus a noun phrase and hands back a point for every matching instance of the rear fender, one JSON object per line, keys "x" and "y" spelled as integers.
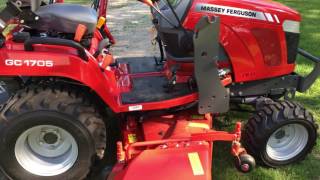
{"x": 46, "y": 64}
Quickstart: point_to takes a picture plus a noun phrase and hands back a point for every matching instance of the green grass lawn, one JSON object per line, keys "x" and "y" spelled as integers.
{"x": 309, "y": 168}
{"x": 223, "y": 167}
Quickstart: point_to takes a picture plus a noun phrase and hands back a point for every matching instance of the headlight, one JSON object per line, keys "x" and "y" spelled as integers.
{"x": 292, "y": 33}
{"x": 291, "y": 26}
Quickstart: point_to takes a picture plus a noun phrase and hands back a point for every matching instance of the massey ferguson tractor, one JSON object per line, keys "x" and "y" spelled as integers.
{"x": 71, "y": 108}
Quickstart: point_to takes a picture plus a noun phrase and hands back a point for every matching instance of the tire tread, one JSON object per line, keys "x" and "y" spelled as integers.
{"x": 271, "y": 115}
{"x": 63, "y": 100}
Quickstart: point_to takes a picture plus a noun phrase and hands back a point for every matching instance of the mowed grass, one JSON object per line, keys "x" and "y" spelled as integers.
{"x": 223, "y": 167}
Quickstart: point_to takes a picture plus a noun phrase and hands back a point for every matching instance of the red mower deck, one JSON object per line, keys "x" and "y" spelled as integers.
{"x": 179, "y": 145}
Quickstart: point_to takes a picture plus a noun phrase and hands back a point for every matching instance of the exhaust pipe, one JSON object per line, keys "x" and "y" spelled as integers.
{"x": 35, "y": 4}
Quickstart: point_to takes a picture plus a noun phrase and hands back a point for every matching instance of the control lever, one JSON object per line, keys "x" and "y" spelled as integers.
{"x": 150, "y": 4}
{"x": 173, "y": 79}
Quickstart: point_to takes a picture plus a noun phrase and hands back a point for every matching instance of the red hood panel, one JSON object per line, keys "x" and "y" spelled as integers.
{"x": 265, "y": 6}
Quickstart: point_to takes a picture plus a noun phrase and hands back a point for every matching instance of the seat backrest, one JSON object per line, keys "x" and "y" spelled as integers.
{"x": 66, "y": 17}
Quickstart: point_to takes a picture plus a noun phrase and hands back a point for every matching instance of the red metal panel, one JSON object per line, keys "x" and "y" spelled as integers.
{"x": 67, "y": 64}
{"x": 240, "y": 43}
{"x": 170, "y": 164}
{"x": 182, "y": 151}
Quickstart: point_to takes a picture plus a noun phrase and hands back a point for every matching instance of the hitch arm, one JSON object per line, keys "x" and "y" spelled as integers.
{"x": 212, "y": 135}
{"x": 306, "y": 82}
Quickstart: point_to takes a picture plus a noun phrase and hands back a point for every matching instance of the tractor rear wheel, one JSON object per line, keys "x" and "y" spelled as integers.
{"x": 50, "y": 133}
{"x": 280, "y": 133}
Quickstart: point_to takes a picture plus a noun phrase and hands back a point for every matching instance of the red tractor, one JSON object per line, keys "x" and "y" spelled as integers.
{"x": 72, "y": 108}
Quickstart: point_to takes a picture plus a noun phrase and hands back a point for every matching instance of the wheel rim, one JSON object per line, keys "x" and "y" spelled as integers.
{"x": 46, "y": 150}
{"x": 287, "y": 142}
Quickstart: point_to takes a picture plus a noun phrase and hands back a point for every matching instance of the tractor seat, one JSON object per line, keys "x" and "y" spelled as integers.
{"x": 65, "y": 18}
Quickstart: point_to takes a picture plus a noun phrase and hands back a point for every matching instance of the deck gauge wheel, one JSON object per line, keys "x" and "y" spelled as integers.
{"x": 245, "y": 163}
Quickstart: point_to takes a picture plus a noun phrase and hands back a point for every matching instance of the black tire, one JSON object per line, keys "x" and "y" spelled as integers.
{"x": 270, "y": 118}
{"x": 8, "y": 87}
{"x": 66, "y": 109}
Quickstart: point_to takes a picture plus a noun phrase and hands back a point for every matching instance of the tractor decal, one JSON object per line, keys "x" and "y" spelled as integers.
{"x": 135, "y": 108}
{"x": 29, "y": 63}
{"x": 231, "y": 11}
{"x": 195, "y": 163}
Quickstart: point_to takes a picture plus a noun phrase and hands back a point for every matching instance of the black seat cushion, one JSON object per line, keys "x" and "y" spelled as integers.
{"x": 66, "y": 17}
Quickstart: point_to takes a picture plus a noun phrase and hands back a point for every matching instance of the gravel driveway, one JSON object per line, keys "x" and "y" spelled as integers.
{"x": 130, "y": 23}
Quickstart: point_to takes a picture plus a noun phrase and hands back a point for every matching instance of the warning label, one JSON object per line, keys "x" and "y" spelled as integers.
{"x": 230, "y": 11}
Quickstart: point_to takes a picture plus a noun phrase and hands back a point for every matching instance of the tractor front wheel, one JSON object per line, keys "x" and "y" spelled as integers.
{"x": 280, "y": 133}
{"x": 50, "y": 133}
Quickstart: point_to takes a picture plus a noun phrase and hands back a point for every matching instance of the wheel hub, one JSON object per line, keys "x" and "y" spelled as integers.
{"x": 280, "y": 134}
{"x": 46, "y": 150}
{"x": 287, "y": 142}
{"x": 50, "y": 138}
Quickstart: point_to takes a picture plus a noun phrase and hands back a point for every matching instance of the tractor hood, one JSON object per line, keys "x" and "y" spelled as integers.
{"x": 264, "y": 6}
{"x": 260, "y": 10}
{"x": 263, "y": 11}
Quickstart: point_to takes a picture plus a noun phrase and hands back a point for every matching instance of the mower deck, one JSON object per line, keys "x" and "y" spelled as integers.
{"x": 192, "y": 162}
{"x": 178, "y": 145}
